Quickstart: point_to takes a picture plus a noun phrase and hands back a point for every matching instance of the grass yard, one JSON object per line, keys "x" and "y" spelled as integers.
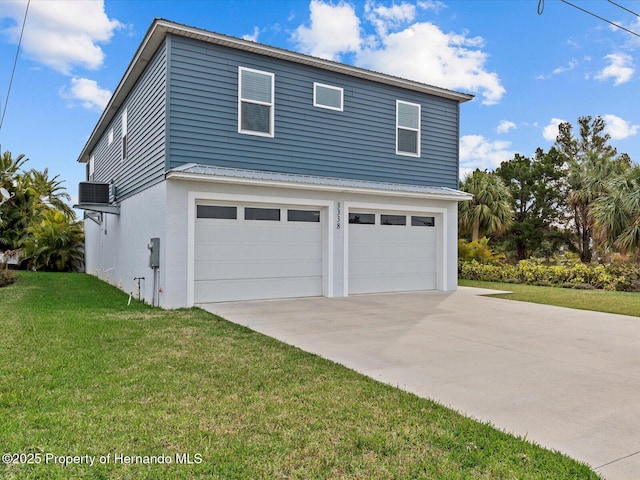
{"x": 624, "y": 303}
{"x": 83, "y": 374}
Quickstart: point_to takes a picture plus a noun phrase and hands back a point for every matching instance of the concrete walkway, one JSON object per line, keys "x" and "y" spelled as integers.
{"x": 566, "y": 379}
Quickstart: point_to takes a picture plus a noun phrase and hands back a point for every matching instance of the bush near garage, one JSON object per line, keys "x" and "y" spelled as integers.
{"x": 618, "y": 276}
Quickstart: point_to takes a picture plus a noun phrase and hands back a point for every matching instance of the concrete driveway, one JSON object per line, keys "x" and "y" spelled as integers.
{"x": 566, "y": 379}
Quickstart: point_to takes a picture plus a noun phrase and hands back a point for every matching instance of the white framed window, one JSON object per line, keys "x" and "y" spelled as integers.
{"x": 124, "y": 135}
{"x": 326, "y": 96}
{"x": 255, "y": 102}
{"x": 407, "y": 128}
{"x": 110, "y": 136}
{"x": 91, "y": 168}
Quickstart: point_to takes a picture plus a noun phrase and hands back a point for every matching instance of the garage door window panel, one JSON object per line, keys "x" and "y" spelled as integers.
{"x": 417, "y": 221}
{"x": 218, "y": 212}
{"x": 393, "y": 219}
{"x": 267, "y": 214}
{"x": 356, "y": 218}
{"x": 309, "y": 216}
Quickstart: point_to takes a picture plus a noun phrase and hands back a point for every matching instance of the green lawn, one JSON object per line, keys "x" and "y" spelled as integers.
{"x": 624, "y": 303}
{"x": 83, "y": 374}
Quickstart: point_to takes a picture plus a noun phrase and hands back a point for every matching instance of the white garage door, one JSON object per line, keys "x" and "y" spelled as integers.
{"x": 391, "y": 252}
{"x": 246, "y": 252}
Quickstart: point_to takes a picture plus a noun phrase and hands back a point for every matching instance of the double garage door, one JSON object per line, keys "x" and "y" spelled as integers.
{"x": 245, "y": 252}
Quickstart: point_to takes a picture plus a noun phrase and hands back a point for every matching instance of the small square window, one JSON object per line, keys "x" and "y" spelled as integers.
{"x": 393, "y": 219}
{"x": 312, "y": 216}
{"x": 423, "y": 221}
{"x": 362, "y": 218}
{"x": 326, "y": 96}
{"x": 214, "y": 211}
{"x": 272, "y": 214}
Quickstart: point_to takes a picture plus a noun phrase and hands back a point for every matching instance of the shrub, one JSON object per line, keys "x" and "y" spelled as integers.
{"x": 534, "y": 271}
{"x": 478, "y": 250}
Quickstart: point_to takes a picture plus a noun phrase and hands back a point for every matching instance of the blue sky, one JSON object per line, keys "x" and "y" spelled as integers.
{"x": 528, "y": 71}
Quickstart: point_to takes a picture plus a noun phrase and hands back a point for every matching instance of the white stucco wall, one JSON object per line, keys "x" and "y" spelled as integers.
{"x": 116, "y": 250}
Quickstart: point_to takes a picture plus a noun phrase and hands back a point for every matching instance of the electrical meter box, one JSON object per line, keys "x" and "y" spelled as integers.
{"x": 154, "y": 253}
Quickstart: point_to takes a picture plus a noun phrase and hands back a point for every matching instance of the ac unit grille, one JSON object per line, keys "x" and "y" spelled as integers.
{"x": 94, "y": 193}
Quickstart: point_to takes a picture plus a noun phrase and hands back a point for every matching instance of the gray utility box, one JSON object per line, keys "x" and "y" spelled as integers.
{"x": 154, "y": 253}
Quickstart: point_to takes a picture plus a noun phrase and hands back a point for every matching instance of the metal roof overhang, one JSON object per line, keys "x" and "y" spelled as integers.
{"x": 203, "y": 173}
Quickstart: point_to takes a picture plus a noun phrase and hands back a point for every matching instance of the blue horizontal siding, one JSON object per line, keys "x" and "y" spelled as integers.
{"x": 146, "y": 107}
{"x": 358, "y": 143}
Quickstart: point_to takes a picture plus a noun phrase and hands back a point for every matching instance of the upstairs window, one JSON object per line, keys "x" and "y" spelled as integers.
{"x": 407, "y": 128}
{"x": 91, "y": 168}
{"x": 124, "y": 135}
{"x": 255, "y": 102}
{"x": 326, "y": 96}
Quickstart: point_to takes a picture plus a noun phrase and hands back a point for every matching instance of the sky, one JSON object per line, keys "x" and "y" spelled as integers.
{"x": 528, "y": 71}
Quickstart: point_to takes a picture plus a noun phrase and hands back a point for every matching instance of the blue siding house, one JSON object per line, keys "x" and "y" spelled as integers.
{"x": 224, "y": 170}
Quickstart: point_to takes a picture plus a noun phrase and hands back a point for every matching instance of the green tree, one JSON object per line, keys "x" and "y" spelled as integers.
{"x": 616, "y": 215}
{"x": 30, "y": 218}
{"x": 54, "y": 243}
{"x": 534, "y": 185}
{"x": 17, "y": 211}
{"x": 589, "y": 162}
{"x": 489, "y": 212}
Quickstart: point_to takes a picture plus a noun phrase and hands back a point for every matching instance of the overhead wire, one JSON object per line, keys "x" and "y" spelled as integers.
{"x": 601, "y": 18}
{"x": 15, "y": 62}
{"x": 624, "y": 8}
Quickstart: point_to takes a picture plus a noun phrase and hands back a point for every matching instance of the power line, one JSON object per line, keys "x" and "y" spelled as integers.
{"x": 601, "y": 18}
{"x": 15, "y": 62}
{"x": 624, "y": 8}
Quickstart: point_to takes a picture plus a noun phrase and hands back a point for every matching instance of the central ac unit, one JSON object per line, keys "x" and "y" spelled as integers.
{"x": 94, "y": 193}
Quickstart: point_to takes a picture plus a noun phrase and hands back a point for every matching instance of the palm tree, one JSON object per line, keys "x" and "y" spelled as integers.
{"x": 490, "y": 210}
{"x": 49, "y": 192}
{"x": 9, "y": 167}
{"x": 55, "y": 243}
{"x": 588, "y": 180}
{"x": 616, "y": 215}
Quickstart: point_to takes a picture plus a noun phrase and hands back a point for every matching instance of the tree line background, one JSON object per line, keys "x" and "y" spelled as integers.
{"x": 580, "y": 196}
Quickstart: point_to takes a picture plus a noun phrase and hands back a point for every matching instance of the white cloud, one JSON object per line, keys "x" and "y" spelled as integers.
{"x": 479, "y": 152}
{"x": 505, "y": 126}
{"x": 384, "y": 18}
{"x": 558, "y": 70}
{"x": 550, "y": 132}
{"x": 621, "y": 68}
{"x": 334, "y": 29}
{"x": 62, "y": 34}
{"x": 87, "y": 92}
{"x": 434, "y": 5}
{"x": 618, "y": 128}
{"x": 419, "y": 51}
{"x": 252, "y": 37}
